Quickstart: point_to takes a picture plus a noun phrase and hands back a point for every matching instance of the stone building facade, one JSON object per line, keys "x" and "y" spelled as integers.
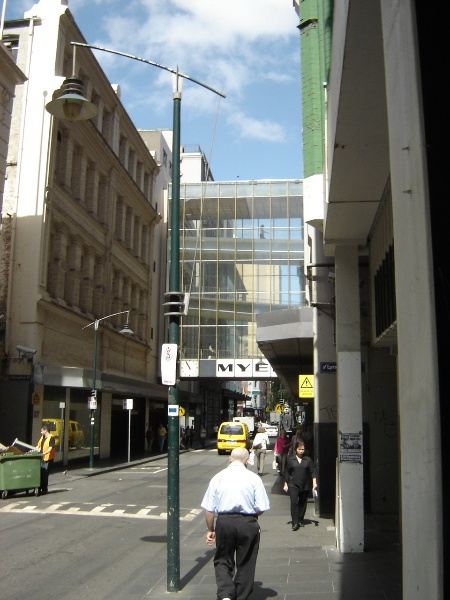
{"x": 79, "y": 246}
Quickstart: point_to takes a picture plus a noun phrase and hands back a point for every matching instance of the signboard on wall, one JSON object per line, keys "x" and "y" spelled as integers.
{"x": 350, "y": 447}
{"x": 244, "y": 368}
{"x": 306, "y": 386}
{"x": 328, "y": 367}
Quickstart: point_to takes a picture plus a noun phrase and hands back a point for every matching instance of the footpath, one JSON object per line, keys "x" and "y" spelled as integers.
{"x": 301, "y": 565}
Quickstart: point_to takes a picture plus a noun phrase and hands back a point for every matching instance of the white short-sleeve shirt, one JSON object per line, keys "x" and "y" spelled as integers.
{"x": 236, "y": 489}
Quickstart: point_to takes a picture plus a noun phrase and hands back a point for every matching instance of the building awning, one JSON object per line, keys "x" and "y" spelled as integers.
{"x": 285, "y": 337}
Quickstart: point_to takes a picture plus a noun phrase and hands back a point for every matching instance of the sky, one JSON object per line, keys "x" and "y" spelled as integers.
{"x": 247, "y": 49}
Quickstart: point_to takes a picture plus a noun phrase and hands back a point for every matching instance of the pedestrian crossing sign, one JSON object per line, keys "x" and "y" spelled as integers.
{"x": 306, "y": 386}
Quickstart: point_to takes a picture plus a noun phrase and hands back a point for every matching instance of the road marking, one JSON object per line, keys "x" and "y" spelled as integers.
{"x": 144, "y": 471}
{"x": 8, "y": 507}
{"x": 144, "y": 511}
{"x": 86, "y": 509}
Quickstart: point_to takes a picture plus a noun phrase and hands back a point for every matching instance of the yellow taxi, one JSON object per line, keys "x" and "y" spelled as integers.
{"x": 232, "y": 435}
{"x": 56, "y": 427}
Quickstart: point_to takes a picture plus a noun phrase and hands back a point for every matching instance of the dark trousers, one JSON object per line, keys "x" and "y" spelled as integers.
{"x": 45, "y": 472}
{"x": 237, "y": 545}
{"x": 299, "y": 501}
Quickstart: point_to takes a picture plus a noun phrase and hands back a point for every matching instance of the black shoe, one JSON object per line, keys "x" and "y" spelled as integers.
{"x": 295, "y": 526}
{"x": 302, "y": 524}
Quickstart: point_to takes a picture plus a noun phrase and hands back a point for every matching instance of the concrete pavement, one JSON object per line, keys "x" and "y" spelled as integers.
{"x": 291, "y": 565}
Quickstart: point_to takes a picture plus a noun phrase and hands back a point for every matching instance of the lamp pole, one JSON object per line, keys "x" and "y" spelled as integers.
{"x": 93, "y": 397}
{"x": 69, "y": 101}
{"x": 173, "y": 449}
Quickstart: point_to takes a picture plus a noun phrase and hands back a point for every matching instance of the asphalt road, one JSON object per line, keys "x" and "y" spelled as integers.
{"x": 89, "y": 537}
{"x": 103, "y": 537}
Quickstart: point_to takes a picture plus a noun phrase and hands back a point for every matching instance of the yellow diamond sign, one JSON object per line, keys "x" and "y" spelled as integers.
{"x": 306, "y": 386}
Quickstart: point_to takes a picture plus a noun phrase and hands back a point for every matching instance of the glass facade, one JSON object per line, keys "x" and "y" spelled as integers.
{"x": 241, "y": 253}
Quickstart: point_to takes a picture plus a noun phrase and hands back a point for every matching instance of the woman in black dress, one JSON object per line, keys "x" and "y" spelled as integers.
{"x": 300, "y": 480}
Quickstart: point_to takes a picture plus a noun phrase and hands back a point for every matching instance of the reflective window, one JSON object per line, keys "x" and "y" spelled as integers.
{"x": 241, "y": 250}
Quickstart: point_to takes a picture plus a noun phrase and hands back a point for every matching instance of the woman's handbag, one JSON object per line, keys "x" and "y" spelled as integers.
{"x": 257, "y": 447}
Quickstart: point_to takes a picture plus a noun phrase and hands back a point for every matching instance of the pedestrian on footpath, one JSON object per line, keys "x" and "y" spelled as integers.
{"x": 259, "y": 446}
{"x": 190, "y": 436}
{"x": 237, "y": 497}
{"x": 46, "y": 446}
{"x": 162, "y": 435}
{"x": 281, "y": 449}
{"x": 203, "y": 436}
{"x": 300, "y": 480}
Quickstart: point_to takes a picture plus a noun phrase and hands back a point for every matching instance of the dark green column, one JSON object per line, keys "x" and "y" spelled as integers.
{"x": 173, "y": 476}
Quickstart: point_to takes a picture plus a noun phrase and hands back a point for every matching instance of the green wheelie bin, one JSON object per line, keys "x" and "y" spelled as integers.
{"x": 20, "y": 473}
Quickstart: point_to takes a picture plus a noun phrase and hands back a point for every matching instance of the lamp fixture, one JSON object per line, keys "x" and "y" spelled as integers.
{"x": 127, "y": 329}
{"x": 68, "y": 102}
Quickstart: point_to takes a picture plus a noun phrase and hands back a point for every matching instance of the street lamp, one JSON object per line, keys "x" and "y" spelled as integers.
{"x": 68, "y": 101}
{"x": 58, "y": 107}
{"x": 93, "y": 398}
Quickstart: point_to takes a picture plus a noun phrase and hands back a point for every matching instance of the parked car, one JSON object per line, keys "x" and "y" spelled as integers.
{"x": 232, "y": 435}
{"x": 76, "y": 435}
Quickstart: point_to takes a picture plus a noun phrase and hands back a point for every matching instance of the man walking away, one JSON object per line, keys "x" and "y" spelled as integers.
{"x": 237, "y": 497}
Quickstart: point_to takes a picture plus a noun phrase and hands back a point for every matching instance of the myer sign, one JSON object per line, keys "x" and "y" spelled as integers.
{"x": 244, "y": 368}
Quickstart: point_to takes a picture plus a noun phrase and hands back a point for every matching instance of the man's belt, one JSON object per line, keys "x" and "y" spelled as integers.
{"x": 221, "y": 514}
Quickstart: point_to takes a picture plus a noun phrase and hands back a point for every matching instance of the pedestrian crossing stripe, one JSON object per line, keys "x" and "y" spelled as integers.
{"x": 86, "y": 509}
{"x": 306, "y": 386}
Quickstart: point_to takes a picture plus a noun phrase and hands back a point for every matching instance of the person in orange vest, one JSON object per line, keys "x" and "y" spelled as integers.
{"x": 46, "y": 446}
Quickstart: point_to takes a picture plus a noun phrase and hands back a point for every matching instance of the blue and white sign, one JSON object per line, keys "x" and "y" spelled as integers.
{"x": 328, "y": 367}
